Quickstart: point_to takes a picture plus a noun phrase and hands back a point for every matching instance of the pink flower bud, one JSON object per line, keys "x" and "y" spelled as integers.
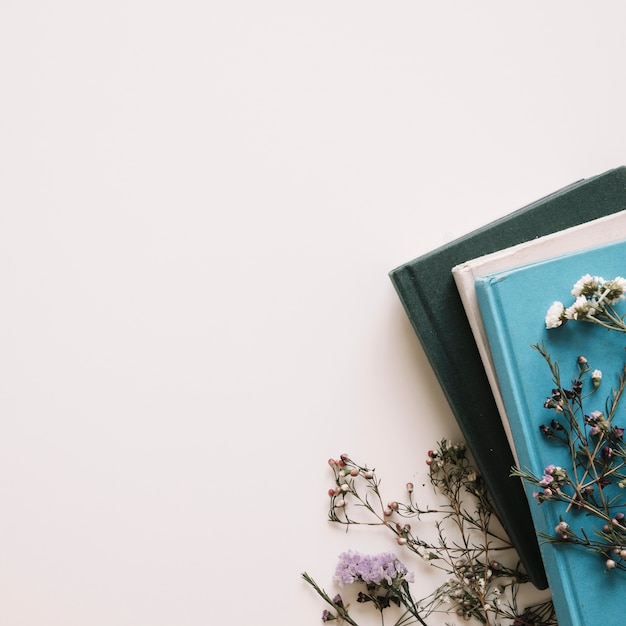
{"x": 561, "y": 528}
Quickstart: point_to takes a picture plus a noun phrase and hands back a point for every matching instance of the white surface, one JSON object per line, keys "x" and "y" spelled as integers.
{"x": 602, "y": 230}
{"x": 200, "y": 202}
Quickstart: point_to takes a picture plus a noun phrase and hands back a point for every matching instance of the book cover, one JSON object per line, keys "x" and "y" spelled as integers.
{"x": 513, "y": 303}
{"x": 431, "y": 301}
{"x": 602, "y": 230}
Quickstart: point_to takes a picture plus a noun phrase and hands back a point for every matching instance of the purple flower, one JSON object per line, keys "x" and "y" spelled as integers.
{"x": 546, "y": 480}
{"x": 371, "y": 570}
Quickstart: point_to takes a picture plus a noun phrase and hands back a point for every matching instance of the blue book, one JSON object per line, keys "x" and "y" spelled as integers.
{"x": 513, "y": 304}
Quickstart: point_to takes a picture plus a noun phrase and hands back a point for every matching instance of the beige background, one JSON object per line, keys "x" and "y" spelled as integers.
{"x": 199, "y": 205}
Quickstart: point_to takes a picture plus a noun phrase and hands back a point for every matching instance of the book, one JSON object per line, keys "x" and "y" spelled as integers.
{"x": 602, "y": 230}
{"x": 428, "y": 294}
{"x": 513, "y": 305}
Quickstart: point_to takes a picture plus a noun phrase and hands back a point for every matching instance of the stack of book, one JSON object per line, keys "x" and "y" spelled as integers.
{"x": 478, "y": 306}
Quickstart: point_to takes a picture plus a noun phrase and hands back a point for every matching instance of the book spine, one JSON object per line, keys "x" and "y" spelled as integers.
{"x": 465, "y": 278}
{"x": 492, "y": 308}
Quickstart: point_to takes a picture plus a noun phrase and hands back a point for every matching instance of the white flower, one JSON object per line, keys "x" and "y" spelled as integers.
{"x": 586, "y": 285}
{"x": 614, "y": 289}
{"x": 554, "y": 316}
{"x": 580, "y": 309}
{"x": 596, "y": 377}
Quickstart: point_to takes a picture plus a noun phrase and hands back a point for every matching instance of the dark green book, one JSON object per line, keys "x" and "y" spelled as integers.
{"x": 428, "y": 292}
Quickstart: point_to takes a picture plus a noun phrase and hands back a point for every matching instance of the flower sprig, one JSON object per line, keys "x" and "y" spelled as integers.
{"x": 595, "y": 302}
{"x": 597, "y": 454}
{"x": 593, "y": 437}
{"x": 482, "y": 571}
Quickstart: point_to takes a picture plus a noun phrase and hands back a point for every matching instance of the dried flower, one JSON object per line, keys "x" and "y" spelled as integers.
{"x": 371, "y": 570}
{"x": 581, "y": 309}
{"x": 594, "y": 446}
{"x": 587, "y": 286}
{"x": 613, "y": 290}
{"x": 478, "y": 587}
{"x": 596, "y": 378}
{"x": 555, "y": 315}
{"x": 594, "y": 302}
